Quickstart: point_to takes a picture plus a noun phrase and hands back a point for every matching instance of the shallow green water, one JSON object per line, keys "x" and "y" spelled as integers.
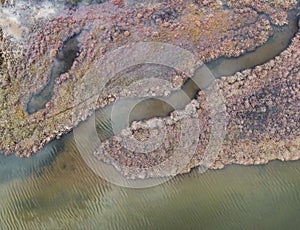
{"x": 67, "y": 194}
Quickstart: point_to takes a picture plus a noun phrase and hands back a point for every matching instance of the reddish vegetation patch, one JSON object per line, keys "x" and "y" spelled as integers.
{"x": 206, "y": 28}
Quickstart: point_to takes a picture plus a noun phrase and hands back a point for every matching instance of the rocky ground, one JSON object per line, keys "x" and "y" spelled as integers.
{"x": 260, "y": 103}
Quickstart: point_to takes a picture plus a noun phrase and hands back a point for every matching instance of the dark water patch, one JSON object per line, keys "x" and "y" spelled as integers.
{"x": 13, "y": 167}
{"x": 62, "y": 63}
{"x": 67, "y": 189}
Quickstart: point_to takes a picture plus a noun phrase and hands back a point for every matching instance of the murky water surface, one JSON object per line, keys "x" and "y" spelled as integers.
{"x": 63, "y": 193}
